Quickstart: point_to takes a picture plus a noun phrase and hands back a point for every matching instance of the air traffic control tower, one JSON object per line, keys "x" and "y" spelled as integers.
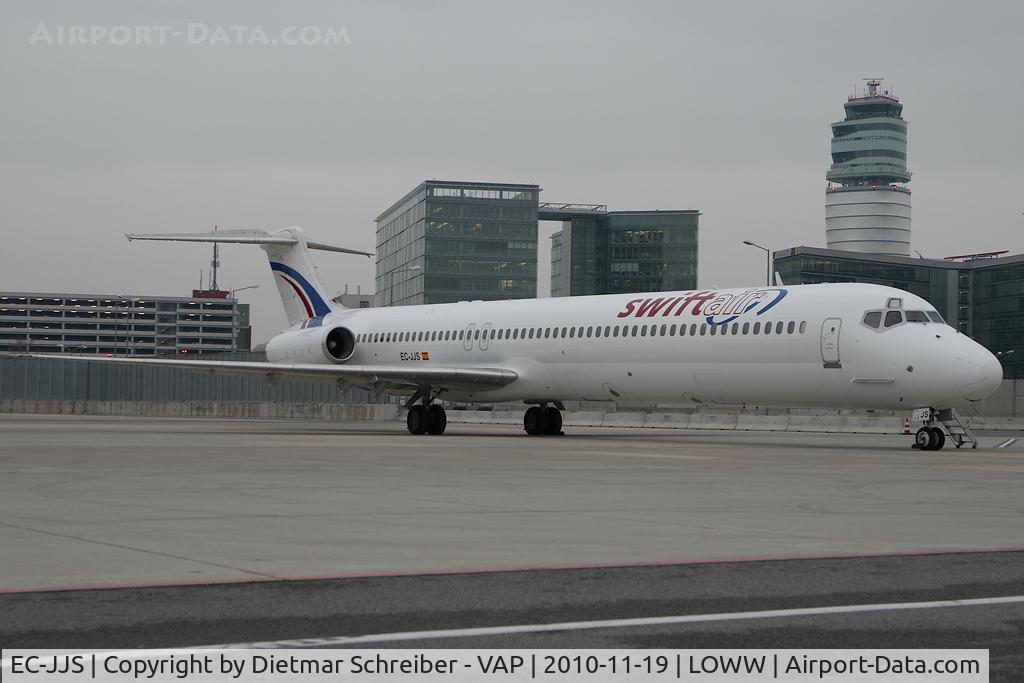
{"x": 867, "y": 204}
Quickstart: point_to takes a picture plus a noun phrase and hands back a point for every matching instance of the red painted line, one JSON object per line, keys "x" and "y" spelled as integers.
{"x": 301, "y": 295}
{"x": 503, "y": 570}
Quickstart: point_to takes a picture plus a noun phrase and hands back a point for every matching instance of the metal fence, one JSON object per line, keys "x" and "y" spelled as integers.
{"x": 67, "y": 380}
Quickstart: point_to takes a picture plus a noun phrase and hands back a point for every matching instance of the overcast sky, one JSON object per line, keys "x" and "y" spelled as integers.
{"x": 718, "y": 106}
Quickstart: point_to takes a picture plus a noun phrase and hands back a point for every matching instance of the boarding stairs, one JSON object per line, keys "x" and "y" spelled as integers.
{"x": 956, "y": 427}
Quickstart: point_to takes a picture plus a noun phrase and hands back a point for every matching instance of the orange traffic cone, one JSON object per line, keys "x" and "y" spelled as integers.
{"x": 906, "y": 426}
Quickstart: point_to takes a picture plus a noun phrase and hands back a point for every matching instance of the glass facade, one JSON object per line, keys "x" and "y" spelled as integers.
{"x": 453, "y": 241}
{"x": 930, "y": 283}
{"x": 996, "y": 296}
{"x": 625, "y": 251}
{"x": 983, "y": 298}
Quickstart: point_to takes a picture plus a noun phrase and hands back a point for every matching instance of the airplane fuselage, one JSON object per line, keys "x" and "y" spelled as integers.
{"x": 806, "y": 345}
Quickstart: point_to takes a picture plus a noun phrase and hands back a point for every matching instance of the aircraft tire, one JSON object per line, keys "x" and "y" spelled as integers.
{"x": 416, "y": 420}
{"x": 924, "y": 439}
{"x": 533, "y": 421}
{"x": 940, "y": 438}
{"x": 437, "y": 419}
{"x": 552, "y": 421}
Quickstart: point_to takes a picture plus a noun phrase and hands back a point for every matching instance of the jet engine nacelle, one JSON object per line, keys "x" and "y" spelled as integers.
{"x": 313, "y": 345}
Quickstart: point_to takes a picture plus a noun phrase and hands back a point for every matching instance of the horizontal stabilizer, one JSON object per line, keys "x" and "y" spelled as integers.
{"x": 240, "y": 237}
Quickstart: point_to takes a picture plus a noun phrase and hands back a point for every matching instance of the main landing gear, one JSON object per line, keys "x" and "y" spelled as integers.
{"x": 543, "y": 420}
{"x": 426, "y": 417}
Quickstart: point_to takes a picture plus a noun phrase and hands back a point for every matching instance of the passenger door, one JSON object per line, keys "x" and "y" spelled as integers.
{"x": 830, "y": 342}
{"x": 467, "y": 343}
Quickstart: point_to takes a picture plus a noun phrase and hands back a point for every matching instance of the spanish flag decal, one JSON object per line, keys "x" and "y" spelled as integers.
{"x": 426, "y": 355}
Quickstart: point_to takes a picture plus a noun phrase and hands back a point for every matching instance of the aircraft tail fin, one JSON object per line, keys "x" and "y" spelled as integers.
{"x": 302, "y": 294}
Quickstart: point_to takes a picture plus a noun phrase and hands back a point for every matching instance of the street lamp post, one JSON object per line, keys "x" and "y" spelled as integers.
{"x": 768, "y": 253}
{"x": 242, "y": 289}
{"x": 391, "y": 289}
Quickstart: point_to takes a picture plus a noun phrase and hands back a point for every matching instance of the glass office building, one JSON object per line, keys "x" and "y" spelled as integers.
{"x": 981, "y": 295}
{"x": 613, "y": 252}
{"x": 458, "y": 241}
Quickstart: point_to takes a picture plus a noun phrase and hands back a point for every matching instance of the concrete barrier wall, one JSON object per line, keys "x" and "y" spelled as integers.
{"x": 375, "y": 412}
{"x": 338, "y": 412}
{"x": 849, "y": 424}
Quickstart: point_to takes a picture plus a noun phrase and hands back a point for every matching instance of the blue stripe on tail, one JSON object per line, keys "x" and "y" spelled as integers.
{"x": 320, "y": 307}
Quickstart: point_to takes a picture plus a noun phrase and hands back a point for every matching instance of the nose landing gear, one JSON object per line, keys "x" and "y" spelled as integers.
{"x": 932, "y": 436}
{"x": 929, "y": 439}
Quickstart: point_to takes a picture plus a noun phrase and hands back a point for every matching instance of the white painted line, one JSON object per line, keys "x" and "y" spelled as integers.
{"x": 5, "y": 664}
{"x": 617, "y": 623}
{"x": 1008, "y": 442}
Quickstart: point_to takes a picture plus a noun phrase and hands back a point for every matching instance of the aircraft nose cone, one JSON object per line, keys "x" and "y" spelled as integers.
{"x": 977, "y": 373}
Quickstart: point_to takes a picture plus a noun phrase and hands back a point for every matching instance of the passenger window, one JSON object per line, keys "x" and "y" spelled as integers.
{"x": 693, "y": 330}
{"x": 873, "y": 319}
{"x": 664, "y": 329}
{"x": 572, "y": 332}
{"x": 746, "y": 328}
{"x": 515, "y": 333}
{"x": 703, "y": 329}
{"x": 565, "y": 332}
{"x": 607, "y": 329}
{"x": 672, "y": 331}
{"x": 935, "y": 317}
{"x": 803, "y": 326}
{"x": 615, "y": 331}
{"x": 714, "y": 329}
{"x": 757, "y": 328}
{"x": 597, "y": 331}
{"x": 893, "y": 318}
{"x": 791, "y": 327}
{"x": 590, "y": 332}
{"x": 767, "y": 328}
{"x": 531, "y": 333}
{"x": 636, "y": 328}
{"x": 579, "y": 332}
{"x": 643, "y": 330}
{"x": 735, "y": 328}
{"x": 778, "y": 327}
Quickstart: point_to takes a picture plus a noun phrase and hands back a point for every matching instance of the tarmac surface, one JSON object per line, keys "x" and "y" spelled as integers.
{"x": 284, "y": 517}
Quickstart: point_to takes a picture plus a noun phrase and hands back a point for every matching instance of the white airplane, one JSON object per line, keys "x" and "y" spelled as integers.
{"x": 825, "y": 345}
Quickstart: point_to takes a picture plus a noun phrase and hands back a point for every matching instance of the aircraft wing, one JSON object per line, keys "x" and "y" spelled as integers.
{"x": 383, "y": 376}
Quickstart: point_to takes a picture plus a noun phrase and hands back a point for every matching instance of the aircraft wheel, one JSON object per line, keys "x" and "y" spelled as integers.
{"x": 416, "y": 420}
{"x": 924, "y": 439}
{"x": 533, "y": 421}
{"x": 437, "y": 419}
{"x": 940, "y": 438}
{"x": 552, "y": 421}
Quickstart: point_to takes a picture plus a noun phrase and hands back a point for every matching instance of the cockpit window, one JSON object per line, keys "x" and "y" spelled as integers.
{"x": 893, "y": 318}
{"x": 873, "y": 319}
{"x": 916, "y": 317}
{"x": 894, "y": 302}
{"x": 935, "y": 317}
